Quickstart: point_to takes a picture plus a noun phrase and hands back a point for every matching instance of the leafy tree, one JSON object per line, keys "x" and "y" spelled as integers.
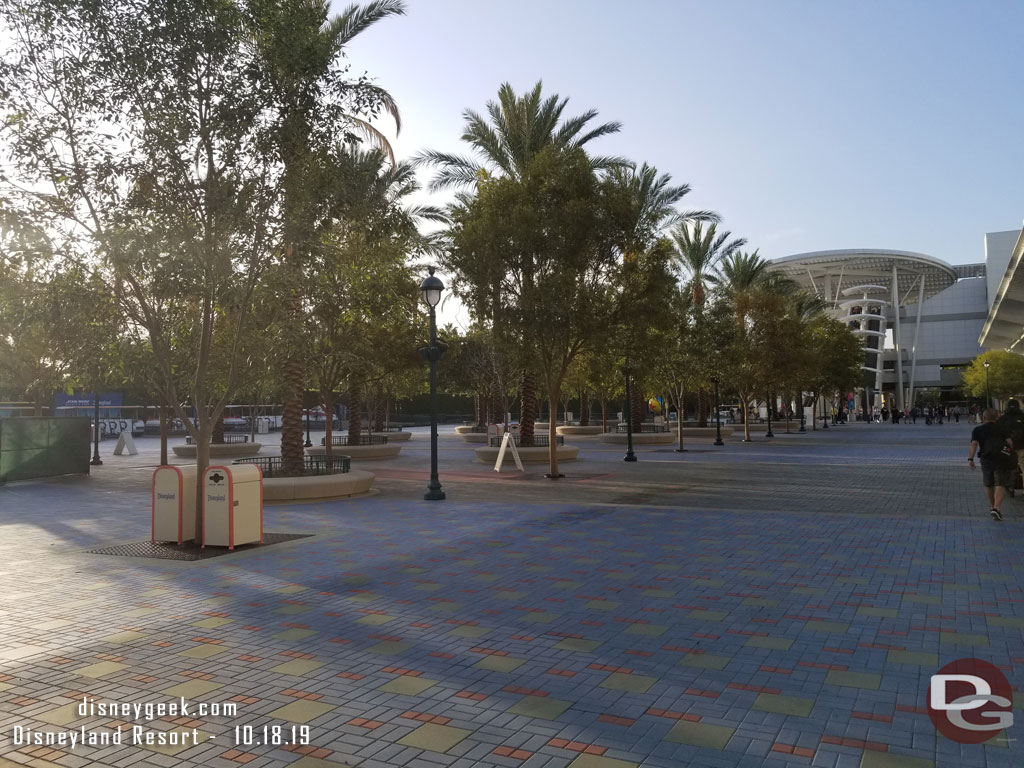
{"x": 1005, "y": 375}
{"x": 535, "y": 253}
{"x": 132, "y": 127}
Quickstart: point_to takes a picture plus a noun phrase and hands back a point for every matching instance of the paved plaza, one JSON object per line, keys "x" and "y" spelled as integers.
{"x": 777, "y": 603}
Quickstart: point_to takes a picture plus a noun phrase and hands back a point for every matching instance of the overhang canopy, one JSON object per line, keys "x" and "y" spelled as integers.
{"x": 1004, "y": 328}
{"x": 828, "y": 273}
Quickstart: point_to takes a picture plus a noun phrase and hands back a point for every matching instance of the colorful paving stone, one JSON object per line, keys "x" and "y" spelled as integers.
{"x": 660, "y": 614}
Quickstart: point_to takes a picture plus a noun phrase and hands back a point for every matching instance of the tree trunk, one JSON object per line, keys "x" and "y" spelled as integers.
{"x": 479, "y": 408}
{"x": 528, "y": 408}
{"x": 584, "y": 408}
{"x": 496, "y": 404}
{"x": 328, "y": 402}
{"x": 292, "y": 456}
{"x": 355, "y": 417}
{"x": 378, "y": 411}
{"x": 218, "y": 430}
{"x": 205, "y": 428}
{"x": 814, "y": 412}
{"x": 680, "y": 413}
{"x": 746, "y": 419}
{"x": 553, "y": 472}
{"x": 702, "y": 414}
{"x": 604, "y": 414}
{"x": 163, "y": 435}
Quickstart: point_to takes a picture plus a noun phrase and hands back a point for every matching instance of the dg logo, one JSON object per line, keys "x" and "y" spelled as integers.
{"x": 970, "y": 701}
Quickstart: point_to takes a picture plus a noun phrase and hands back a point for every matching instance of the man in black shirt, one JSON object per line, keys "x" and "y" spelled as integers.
{"x": 994, "y": 447}
{"x": 1012, "y": 422}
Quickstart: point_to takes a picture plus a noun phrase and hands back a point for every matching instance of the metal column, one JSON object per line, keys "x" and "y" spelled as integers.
{"x": 896, "y": 337}
{"x": 917, "y": 330}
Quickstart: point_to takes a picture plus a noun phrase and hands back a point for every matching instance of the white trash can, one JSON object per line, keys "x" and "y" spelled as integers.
{"x": 232, "y": 505}
{"x": 174, "y": 503}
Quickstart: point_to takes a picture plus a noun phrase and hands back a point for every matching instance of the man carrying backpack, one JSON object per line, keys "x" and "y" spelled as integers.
{"x": 1012, "y": 422}
{"x": 992, "y": 443}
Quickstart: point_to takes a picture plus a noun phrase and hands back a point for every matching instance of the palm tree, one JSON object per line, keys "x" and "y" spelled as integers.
{"x": 519, "y": 127}
{"x": 698, "y": 252}
{"x": 649, "y": 205}
{"x": 300, "y": 45}
{"x": 516, "y": 129}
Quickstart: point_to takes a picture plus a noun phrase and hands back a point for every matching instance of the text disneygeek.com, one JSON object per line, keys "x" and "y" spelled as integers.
{"x": 143, "y": 735}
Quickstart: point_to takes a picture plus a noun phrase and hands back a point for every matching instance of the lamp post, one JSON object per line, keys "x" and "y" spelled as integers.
{"x": 768, "y": 408}
{"x": 718, "y": 414}
{"x": 988, "y": 397}
{"x": 628, "y": 372}
{"x": 803, "y": 413}
{"x": 96, "y": 460}
{"x": 431, "y": 288}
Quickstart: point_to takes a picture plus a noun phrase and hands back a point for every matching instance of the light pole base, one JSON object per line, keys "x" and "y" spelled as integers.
{"x": 769, "y": 434}
{"x": 629, "y": 457}
{"x": 434, "y": 494}
{"x": 549, "y": 476}
{"x": 681, "y": 450}
{"x": 96, "y": 461}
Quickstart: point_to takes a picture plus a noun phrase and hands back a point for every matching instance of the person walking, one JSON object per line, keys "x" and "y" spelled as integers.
{"x": 991, "y": 443}
{"x": 1012, "y": 422}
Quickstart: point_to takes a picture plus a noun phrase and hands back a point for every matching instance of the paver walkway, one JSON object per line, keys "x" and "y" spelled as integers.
{"x": 769, "y": 604}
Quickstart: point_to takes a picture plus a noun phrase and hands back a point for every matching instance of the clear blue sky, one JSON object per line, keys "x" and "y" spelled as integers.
{"x": 808, "y": 125}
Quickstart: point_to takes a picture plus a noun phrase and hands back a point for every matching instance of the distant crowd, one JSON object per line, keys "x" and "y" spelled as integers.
{"x": 931, "y": 414}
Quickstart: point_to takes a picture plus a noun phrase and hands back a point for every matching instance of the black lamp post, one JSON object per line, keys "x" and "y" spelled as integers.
{"x": 96, "y": 460}
{"x": 988, "y": 397}
{"x": 718, "y": 414}
{"x": 803, "y": 414}
{"x": 431, "y": 288}
{"x": 768, "y": 408}
{"x": 628, "y": 373}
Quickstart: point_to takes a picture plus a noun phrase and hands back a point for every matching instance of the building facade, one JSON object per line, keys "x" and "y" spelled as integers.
{"x": 919, "y": 318}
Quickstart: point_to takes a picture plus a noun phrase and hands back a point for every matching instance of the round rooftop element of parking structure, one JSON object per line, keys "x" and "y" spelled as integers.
{"x": 828, "y": 273}
{"x": 870, "y": 290}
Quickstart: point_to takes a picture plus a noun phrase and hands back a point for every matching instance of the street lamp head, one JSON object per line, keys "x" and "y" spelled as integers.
{"x": 714, "y": 379}
{"x": 431, "y": 288}
{"x": 986, "y": 363}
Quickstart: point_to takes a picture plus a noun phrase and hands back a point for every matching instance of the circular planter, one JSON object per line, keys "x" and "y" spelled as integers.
{"x": 570, "y": 430}
{"x": 488, "y": 455}
{"x": 542, "y": 426}
{"x": 473, "y": 437}
{"x": 393, "y": 437}
{"x": 352, "y": 483}
{"x": 465, "y": 430}
{"x": 639, "y": 438}
{"x": 219, "y": 450}
{"x": 704, "y": 431}
{"x": 359, "y": 452}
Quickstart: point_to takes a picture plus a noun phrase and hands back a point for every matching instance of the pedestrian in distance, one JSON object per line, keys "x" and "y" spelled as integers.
{"x": 992, "y": 445}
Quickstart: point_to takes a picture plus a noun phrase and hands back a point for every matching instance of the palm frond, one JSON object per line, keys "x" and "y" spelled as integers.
{"x": 356, "y": 18}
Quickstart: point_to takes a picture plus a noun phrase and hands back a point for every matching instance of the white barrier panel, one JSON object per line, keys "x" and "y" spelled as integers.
{"x": 125, "y": 442}
{"x": 174, "y": 503}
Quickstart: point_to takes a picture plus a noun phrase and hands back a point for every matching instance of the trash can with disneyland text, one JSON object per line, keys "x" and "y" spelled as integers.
{"x": 174, "y": 503}
{"x": 232, "y": 505}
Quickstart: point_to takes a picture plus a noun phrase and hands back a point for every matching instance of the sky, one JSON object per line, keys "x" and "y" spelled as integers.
{"x": 807, "y": 125}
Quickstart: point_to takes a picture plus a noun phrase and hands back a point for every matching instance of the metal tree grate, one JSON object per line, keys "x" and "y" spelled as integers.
{"x": 189, "y": 550}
